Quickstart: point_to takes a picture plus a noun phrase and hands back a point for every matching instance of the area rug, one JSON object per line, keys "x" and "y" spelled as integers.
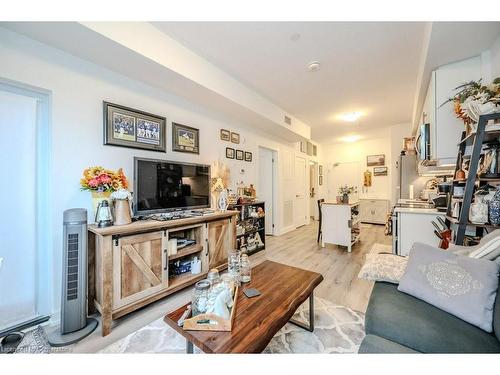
{"x": 378, "y": 248}
{"x": 338, "y": 329}
{"x": 35, "y": 342}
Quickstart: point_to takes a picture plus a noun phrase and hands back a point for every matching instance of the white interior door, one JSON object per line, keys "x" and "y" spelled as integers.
{"x": 300, "y": 207}
{"x": 313, "y": 190}
{"x": 18, "y": 275}
{"x": 342, "y": 174}
{"x": 266, "y": 185}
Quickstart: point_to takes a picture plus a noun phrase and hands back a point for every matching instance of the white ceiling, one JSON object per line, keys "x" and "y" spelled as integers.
{"x": 368, "y": 67}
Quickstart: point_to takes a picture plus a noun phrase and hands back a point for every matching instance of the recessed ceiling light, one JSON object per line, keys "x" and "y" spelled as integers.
{"x": 314, "y": 66}
{"x": 350, "y": 116}
{"x": 351, "y": 138}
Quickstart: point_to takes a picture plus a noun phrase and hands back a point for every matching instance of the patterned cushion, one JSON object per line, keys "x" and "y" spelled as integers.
{"x": 383, "y": 267}
{"x": 459, "y": 285}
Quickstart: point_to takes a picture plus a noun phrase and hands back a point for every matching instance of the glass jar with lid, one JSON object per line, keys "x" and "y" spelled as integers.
{"x": 246, "y": 270}
{"x": 213, "y": 277}
{"x": 233, "y": 265}
{"x": 200, "y": 297}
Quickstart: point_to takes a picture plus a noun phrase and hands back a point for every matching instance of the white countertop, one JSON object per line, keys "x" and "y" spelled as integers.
{"x": 408, "y": 210}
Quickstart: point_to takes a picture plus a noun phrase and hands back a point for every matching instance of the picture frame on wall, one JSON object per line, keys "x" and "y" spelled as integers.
{"x": 375, "y": 160}
{"x": 239, "y": 155}
{"x": 225, "y": 135}
{"x": 229, "y": 153}
{"x": 128, "y": 127}
{"x": 380, "y": 171}
{"x": 248, "y": 156}
{"x": 185, "y": 138}
{"x": 320, "y": 180}
{"x": 235, "y": 137}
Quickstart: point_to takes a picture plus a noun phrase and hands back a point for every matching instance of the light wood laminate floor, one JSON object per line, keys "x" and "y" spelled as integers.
{"x": 297, "y": 248}
{"x": 339, "y": 268}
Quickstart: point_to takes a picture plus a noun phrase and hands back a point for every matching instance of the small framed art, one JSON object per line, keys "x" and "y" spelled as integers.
{"x": 185, "y": 139}
{"x": 128, "y": 127}
{"x": 380, "y": 171}
{"x": 225, "y": 135}
{"x": 235, "y": 138}
{"x": 375, "y": 160}
{"x": 239, "y": 155}
{"x": 229, "y": 153}
{"x": 248, "y": 156}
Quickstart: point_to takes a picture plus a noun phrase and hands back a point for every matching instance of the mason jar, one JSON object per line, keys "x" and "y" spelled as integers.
{"x": 246, "y": 270}
{"x": 200, "y": 297}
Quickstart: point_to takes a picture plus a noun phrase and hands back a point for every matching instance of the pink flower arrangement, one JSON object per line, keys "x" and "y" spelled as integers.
{"x": 100, "y": 179}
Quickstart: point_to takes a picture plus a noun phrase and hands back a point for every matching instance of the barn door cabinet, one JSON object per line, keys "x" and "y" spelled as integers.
{"x": 130, "y": 265}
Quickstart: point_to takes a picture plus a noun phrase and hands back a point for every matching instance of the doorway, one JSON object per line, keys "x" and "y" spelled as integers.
{"x": 267, "y": 185}
{"x": 25, "y": 271}
{"x": 313, "y": 190}
{"x": 301, "y": 210}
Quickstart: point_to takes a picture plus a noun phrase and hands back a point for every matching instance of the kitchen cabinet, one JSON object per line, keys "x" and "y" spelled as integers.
{"x": 340, "y": 224}
{"x": 374, "y": 211}
{"x": 445, "y": 128}
{"x": 415, "y": 225}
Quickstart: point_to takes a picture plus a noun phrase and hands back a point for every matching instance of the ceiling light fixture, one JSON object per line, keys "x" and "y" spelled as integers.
{"x": 351, "y": 138}
{"x": 351, "y": 116}
{"x": 314, "y": 66}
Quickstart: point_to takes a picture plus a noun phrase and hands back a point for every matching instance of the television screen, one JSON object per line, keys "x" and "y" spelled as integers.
{"x": 162, "y": 186}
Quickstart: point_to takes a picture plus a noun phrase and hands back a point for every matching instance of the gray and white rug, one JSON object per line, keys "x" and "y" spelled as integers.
{"x": 378, "y": 248}
{"x": 338, "y": 329}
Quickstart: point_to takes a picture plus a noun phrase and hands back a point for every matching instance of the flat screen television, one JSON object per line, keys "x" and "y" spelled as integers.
{"x": 163, "y": 186}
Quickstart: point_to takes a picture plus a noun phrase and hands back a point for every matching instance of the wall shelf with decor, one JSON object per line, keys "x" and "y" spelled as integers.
{"x": 250, "y": 227}
{"x": 471, "y": 149}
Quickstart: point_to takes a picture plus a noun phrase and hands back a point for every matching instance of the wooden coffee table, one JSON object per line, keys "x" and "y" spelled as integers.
{"x": 284, "y": 289}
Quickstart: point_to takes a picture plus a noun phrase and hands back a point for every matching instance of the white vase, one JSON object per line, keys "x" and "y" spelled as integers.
{"x": 223, "y": 201}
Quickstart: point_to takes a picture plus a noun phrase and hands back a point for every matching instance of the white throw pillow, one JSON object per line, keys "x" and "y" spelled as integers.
{"x": 383, "y": 267}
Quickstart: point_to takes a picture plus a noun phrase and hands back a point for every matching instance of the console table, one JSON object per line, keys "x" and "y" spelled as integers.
{"x": 129, "y": 266}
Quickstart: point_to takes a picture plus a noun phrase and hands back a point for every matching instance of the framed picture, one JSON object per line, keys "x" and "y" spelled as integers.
{"x": 127, "y": 127}
{"x": 225, "y": 135}
{"x": 248, "y": 156}
{"x": 375, "y": 160}
{"x": 229, "y": 153}
{"x": 185, "y": 139}
{"x": 380, "y": 171}
{"x": 239, "y": 155}
{"x": 320, "y": 170}
{"x": 320, "y": 180}
{"x": 235, "y": 138}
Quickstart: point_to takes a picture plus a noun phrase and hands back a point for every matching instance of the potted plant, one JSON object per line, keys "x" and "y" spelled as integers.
{"x": 344, "y": 192}
{"x": 102, "y": 182}
{"x": 473, "y": 100}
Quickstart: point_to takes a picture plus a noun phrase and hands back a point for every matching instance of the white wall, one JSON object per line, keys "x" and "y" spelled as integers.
{"x": 78, "y": 89}
{"x": 495, "y": 59}
{"x": 388, "y": 142}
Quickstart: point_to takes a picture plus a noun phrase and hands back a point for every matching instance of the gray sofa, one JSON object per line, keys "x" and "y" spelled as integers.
{"x": 399, "y": 323}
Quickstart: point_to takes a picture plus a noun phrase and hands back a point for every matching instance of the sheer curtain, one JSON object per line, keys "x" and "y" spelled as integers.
{"x": 20, "y": 245}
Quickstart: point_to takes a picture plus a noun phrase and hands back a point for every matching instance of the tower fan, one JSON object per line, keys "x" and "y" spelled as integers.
{"x": 75, "y": 325}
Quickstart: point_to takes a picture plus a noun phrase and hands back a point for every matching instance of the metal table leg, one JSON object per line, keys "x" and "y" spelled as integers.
{"x": 189, "y": 347}
{"x": 310, "y": 326}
